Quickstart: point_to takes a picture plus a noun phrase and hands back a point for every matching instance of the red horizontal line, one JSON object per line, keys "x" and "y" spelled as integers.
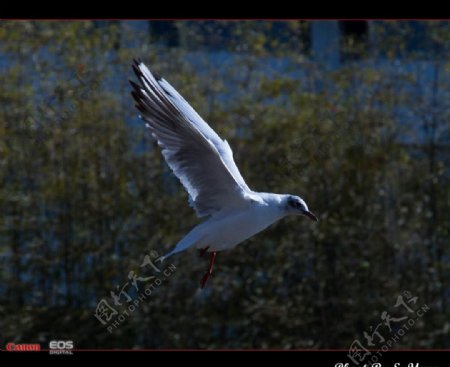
{"x": 231, "y": 19}
{"x": 240, "y": 350}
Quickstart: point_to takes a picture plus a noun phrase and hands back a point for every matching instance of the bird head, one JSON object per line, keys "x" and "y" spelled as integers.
{"x": 295, "y": 205}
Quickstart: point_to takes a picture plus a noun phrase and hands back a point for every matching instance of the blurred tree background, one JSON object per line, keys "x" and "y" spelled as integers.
{"x": 85, "y": 194}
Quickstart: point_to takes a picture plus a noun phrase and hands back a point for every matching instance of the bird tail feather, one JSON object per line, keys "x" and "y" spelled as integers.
{"x": 193, "y": 238}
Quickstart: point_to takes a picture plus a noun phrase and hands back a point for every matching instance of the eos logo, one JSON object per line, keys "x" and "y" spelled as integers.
{"x": 61, "y": 346}
{"x": 12, "y": 347}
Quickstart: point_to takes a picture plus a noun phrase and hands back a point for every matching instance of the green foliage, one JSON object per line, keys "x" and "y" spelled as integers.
{"x": 85, "y": 193}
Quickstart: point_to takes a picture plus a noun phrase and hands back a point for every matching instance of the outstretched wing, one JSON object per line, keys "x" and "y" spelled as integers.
{"x": 195, "y": 153}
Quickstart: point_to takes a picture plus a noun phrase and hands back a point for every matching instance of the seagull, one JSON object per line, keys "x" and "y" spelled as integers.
{"x": 204, "y": 164}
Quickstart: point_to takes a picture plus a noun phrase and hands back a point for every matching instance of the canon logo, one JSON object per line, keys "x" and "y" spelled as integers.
{"x": 12, "y": 347}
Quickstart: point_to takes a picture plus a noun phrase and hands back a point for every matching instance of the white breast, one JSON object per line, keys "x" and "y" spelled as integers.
{"x": 229, "y": 229}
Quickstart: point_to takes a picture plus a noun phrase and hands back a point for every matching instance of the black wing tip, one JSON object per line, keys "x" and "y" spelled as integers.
{"x": 134, "y": 85}
{"x": 137, "y": 71}
{"x": 136, "y": 67}
{"x": 137, "y": 61}
{"x": 135, "y": 95}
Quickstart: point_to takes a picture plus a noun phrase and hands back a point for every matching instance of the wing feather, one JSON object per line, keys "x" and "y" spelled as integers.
{"x": 198, "y": 157}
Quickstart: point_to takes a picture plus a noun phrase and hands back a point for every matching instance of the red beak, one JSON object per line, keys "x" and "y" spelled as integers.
{"x": 311, "y": 216}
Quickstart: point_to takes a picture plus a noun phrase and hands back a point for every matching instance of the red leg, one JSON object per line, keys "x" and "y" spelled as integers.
{"x": 203, "y": 251}
{"x": 209, "y": 272}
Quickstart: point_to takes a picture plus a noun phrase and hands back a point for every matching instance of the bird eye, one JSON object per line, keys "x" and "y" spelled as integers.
{"x": 294, "y": 203}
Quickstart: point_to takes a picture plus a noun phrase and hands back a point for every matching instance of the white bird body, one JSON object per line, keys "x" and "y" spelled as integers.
{"x": 228, "y": 228}
{"x": 204, "y": 164}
